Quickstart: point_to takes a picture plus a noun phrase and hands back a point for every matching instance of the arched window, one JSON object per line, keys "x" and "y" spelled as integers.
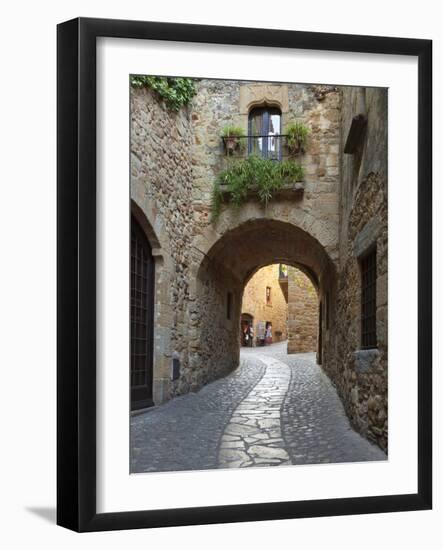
{"x": 264, "y": 133}
{"x": 142, "y": 310}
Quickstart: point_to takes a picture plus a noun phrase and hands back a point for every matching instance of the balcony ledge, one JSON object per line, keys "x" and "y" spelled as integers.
{"x": 288, "y": 190}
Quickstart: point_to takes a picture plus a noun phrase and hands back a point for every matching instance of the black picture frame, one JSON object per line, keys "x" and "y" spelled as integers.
{"x": 76, "y": 266}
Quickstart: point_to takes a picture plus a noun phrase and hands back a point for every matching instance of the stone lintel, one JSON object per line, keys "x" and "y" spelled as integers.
{"x": 367, "y": 237}
{"x": 254, "y": 95}
{"x": 287, "y": 190}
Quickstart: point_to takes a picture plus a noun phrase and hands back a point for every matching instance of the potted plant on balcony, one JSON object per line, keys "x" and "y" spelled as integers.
{"x": 256, "y": 177}
{"x": 296, "y": 137}
{"x": 232, "y": 138}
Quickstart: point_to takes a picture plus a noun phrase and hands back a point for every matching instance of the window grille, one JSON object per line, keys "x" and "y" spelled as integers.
{"x": 142, "y": 290}
{"x": 368, "y": 265}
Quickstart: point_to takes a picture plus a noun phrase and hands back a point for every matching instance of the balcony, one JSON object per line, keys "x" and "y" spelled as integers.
{"x": 283, "y": 272}
{"x": 258, "y": 167}
{"x": 283, "y": 279}
{"x": 272, "y": 147}
{"x": 258, "y": 159}
{"x": 292, "y": 190}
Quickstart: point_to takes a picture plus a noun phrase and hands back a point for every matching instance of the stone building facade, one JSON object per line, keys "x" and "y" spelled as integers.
{"x": 284, "y": 297}
{"x": 264, "y": 302}
{"x": 302, "y": 313}
{"x": 361, "y": 375}
{"x": 202, "y": 266}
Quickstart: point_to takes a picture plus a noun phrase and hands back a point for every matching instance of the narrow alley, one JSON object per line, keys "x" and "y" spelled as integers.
{"x": 274, "y": 409}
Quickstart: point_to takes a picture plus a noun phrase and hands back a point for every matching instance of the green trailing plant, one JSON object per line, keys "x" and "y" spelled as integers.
{"x": 254, "y": 174}
{"x": 234, "y": 138}
{"x": 233, "y": 131}
{"x": 176, "y": 92}
{"x": 296, "y": 136}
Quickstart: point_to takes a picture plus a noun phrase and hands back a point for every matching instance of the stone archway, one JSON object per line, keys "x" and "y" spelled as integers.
{"x": 226, "y": 265}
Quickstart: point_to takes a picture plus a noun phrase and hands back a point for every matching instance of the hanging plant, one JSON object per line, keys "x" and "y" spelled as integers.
{"x": 263, "y": 177}
{"x": 296, "y": 137}
{"x": 233, "y": 139}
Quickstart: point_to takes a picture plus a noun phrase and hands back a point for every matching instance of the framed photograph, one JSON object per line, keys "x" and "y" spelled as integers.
{"x": 244, "y": 274}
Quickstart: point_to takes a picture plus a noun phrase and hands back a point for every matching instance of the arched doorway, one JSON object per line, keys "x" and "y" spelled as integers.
{"x": 246, "y": 329}
{"x": 142, "y": 310}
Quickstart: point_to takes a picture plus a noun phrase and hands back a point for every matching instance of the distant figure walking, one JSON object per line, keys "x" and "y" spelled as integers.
{"x": 248, "y": 336}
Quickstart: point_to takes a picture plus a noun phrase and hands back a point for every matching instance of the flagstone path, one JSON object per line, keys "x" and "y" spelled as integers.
{"x": 274, "y": 409}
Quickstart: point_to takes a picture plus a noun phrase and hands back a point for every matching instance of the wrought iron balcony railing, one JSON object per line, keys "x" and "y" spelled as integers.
{"x": 273, "y": 147}
{"x": 283, "y": 272}
{"x": 283, "y": 280}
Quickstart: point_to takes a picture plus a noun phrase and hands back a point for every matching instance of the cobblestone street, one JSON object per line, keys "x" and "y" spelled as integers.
{"x": 275, "y": 409}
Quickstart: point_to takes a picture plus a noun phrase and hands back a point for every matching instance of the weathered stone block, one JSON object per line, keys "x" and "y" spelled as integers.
{"x": 366, "y": 359}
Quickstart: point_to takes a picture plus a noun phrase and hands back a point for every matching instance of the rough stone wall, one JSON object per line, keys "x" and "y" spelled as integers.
{"x": 302, "y": 313}
{"x": 214, "y": 334}
{"x": 162, "y": 186}
{"x": 362, "y": 375}
{"x": 254, "y": 301}
{"x": 321, "y": 113}
{"x": 215, "y": 106}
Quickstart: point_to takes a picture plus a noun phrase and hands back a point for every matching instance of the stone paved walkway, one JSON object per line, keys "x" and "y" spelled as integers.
{"x": 274, "y": 409}
{"x": 253, "y": 436}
